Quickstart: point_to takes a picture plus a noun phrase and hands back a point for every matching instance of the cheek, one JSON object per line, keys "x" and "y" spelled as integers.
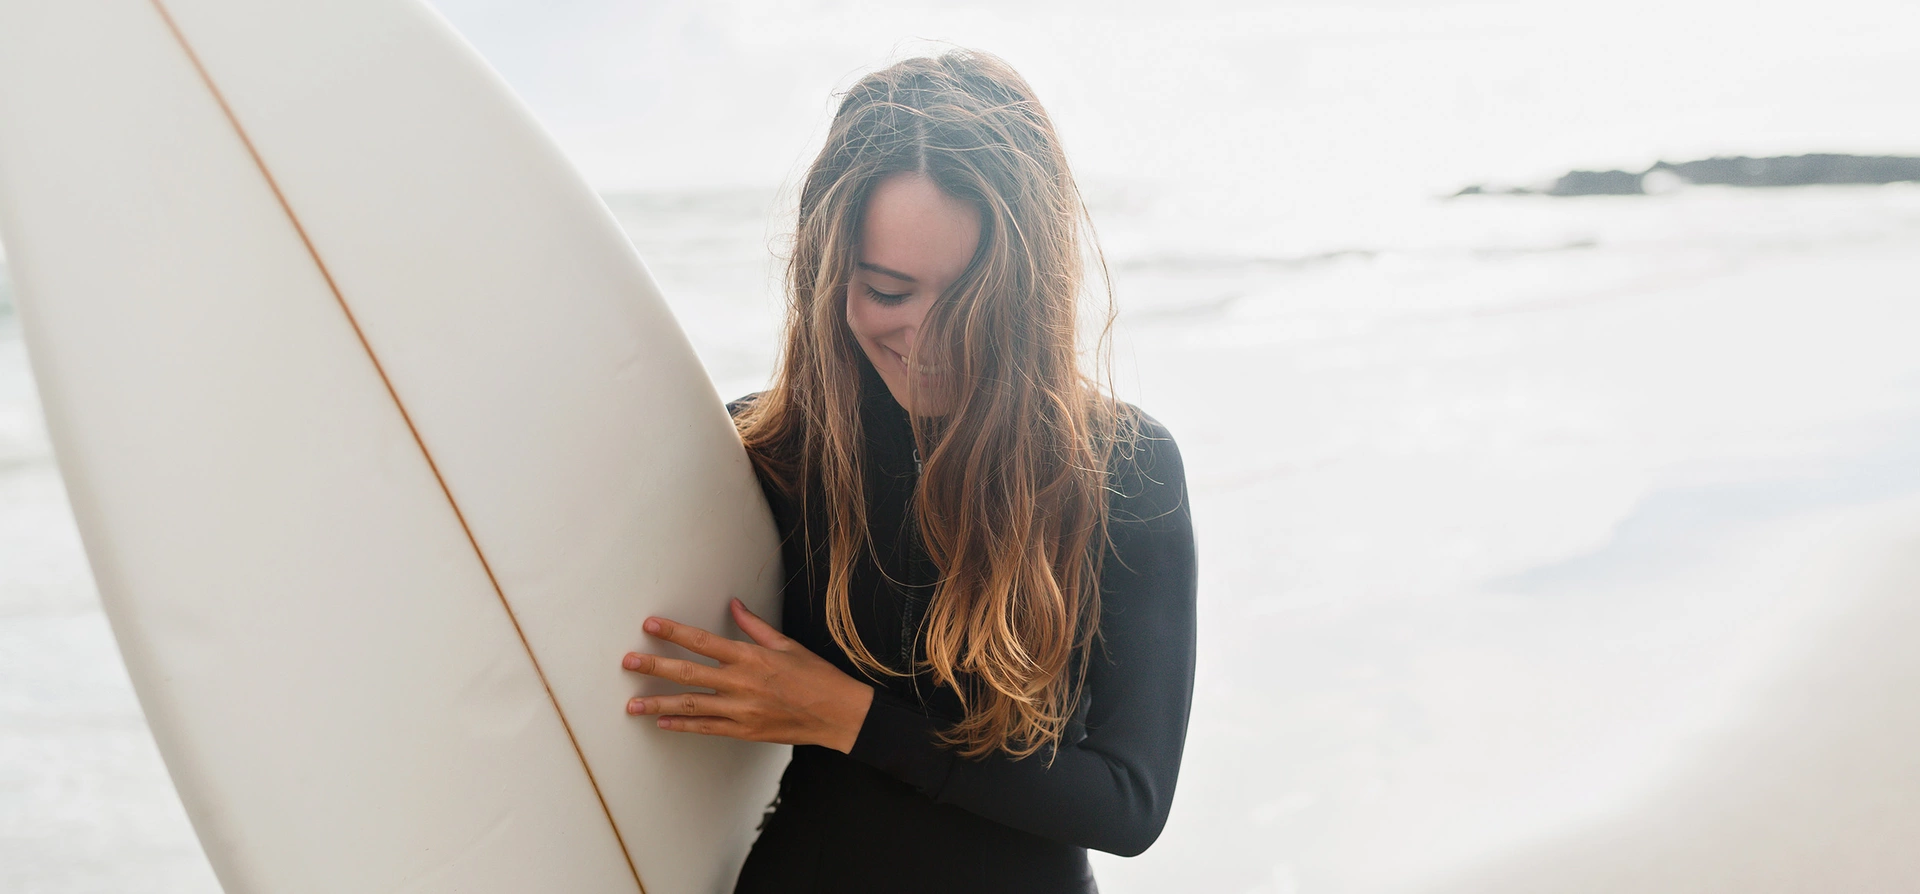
{"x": 873, "y": 321}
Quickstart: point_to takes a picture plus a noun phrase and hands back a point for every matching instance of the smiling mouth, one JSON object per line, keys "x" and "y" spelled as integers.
{"x": 923, "y": 370}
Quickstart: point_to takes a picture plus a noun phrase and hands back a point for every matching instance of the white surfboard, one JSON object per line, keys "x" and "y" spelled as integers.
{"x": 382, "y": 444}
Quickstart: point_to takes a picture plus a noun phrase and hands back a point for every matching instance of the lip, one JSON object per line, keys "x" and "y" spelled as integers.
{"x": 901, "y": 359}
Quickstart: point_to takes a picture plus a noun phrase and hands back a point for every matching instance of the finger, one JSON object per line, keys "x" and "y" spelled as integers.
{"x": 695, "y": 640}
{"x": 761, "y": 631}
{"x": 706, "y": 726}
{"x": 685, "y": 704}
{"x": 685, "y": 673}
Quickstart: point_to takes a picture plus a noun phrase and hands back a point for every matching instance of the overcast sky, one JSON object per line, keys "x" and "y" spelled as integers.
{"x": 1398, "y": 95}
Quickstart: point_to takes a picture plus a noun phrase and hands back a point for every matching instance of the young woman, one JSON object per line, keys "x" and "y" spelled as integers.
{"x": 989, "y": 610}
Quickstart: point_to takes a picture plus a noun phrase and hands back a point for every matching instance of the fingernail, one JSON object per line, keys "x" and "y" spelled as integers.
{"x": 664, "y": 723}
{"x": 631, "y": 662}
{"x": 652, "y": 626}
{"x": 636, "y": 706}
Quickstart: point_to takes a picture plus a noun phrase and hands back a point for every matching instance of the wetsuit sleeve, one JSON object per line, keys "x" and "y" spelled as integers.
{"x": 1112, "y": 789}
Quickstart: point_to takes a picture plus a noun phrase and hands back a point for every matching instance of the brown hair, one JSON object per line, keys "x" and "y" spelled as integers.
{"x": 1012, "y": 500}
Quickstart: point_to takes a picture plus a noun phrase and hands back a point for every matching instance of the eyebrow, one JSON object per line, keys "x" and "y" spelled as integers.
{"x": 884, "y": 271}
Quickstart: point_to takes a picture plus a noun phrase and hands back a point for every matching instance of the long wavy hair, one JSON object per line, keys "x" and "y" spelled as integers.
{"x": 1012, "y": 500}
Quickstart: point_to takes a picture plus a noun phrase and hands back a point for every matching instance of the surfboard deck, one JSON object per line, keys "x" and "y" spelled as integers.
{"x": 382, "y": 444}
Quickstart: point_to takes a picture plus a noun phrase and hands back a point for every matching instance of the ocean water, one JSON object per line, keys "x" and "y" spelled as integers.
{"x": 1495, "y": 500}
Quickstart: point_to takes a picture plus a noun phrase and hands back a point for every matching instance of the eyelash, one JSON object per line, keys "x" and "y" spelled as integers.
{"x": 886, "y": 298}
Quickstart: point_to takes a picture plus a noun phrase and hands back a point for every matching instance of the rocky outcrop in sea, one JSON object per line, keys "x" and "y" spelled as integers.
{"x": 1740, "y": 171}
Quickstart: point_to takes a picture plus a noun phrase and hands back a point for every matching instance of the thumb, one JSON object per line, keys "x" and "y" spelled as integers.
{"x": 761, "y": 631}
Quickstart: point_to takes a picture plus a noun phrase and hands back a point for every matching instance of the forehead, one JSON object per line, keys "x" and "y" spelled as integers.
{"x": 911, "y": 226}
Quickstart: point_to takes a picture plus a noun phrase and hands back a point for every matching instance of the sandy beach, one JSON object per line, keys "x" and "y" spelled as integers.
{"x": 1811, "y": 784}
{"x": 1502, "y": 565}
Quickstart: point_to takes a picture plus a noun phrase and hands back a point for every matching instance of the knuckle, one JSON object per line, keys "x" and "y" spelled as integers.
{"x": 688, "y": 703}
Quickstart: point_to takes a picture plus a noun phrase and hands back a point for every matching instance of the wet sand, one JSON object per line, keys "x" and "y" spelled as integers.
{"x": 1814, "y": 784}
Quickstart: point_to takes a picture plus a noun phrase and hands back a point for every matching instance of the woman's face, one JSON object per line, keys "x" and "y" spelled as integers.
{"x": 915, "y": 241}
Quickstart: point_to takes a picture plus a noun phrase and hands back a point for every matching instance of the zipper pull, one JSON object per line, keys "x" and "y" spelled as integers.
{"x": 918, "y": 467}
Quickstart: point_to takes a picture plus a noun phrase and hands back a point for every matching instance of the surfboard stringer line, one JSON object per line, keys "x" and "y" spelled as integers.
{"x": 300, "y": 230}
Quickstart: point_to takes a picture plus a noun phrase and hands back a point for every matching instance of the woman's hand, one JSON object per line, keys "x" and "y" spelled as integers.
{"x": 768, "y": 690}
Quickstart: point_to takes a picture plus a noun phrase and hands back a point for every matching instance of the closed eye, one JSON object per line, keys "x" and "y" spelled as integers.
{"x": 887, "y": 298}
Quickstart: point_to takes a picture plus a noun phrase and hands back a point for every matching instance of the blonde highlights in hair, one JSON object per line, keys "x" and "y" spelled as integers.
{"x": 1011, "y": 504}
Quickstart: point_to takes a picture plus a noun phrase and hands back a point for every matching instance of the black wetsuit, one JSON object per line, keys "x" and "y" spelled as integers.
{"x": 902, "y": 812}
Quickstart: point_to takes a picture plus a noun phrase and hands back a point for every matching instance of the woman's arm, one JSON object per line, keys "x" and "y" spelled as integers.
{"x": 1110, "y": 791}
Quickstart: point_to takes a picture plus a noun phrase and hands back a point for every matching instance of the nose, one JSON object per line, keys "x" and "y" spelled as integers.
{"x": 903, "y": 328}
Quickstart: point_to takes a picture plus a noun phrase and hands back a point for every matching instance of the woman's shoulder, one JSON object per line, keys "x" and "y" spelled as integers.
{"x": 1139, "y": 429}
{"x": 740, "y": 404}
{"x": 1142, "y": 445}
{"x": 1146, "y": 477}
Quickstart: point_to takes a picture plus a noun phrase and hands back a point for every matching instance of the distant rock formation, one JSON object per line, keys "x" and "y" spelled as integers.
{"x": 1788, "y": 170}
{"x": 1796, "y": 170}
{"x": 1597, "y": 183}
